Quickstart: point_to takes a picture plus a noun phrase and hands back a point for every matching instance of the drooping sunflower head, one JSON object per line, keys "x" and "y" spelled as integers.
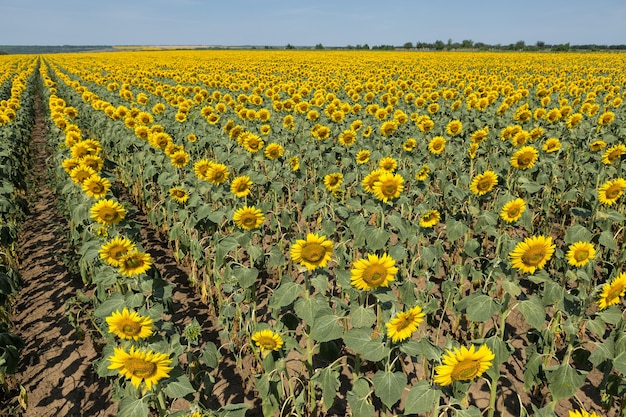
{"x": 429, "y": 219}
{"x": 141, "y": 365}
{"x": 248, "y": 218}
{"x": 373, "y": 272}
{"x": 612, "y": 291}
{"x": 129, "y": 325}
{"x": 113, "y": 251}
{"x": 483, "y": 183}
{"x": 107, "y": 212}
{"x": 313, "y": 252}
{"x": 580, "y": 253}
{"x": 267, "y": 340}
{"x": 513, "y": 210}
{"x": 403, "y": 324}
{"x": 533, "y": 253}
{"x": 388, "y": 186}
{"x": 463, "y": 364}
{"x": 179, "y": 194}
{"x": 597, "y": 145}
{"x": 135, "y": 263}
{"x": 606, "y": 118}
{"x": 388, "y": 127}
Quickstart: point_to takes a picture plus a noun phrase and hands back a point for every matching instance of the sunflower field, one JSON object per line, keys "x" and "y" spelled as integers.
{"x": 376, "y": 233}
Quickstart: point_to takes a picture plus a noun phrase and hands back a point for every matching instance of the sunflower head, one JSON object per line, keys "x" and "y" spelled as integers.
{"x": 373, "y": 272}
{"x": 313, "y": 252}
{"x": 463, "y": 364}
{"x": 129, "y": 325}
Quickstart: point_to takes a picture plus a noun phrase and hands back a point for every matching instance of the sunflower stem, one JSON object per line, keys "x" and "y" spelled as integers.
{"x": 493, "y": 391}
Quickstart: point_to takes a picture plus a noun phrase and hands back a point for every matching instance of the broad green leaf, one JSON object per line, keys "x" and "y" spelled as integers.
{"x": 246, "y": 276}
{"x": 328, "y": 380}
{"x": 115, "y": 302}
{"x": 376, "y": 239}
{"x": 471, "y": 411}
{"x": 326, "y": 328}
{"x": 388, "y": 386}
{"x": 357, "y": 339}
{"x": 308, "y": 308}
{"x": 482, "y": 308}
{"x": 563, "y": 381}
{"x": 131, "y": 407}
{"x": 577, "y": 233}
{"x": 455, "y": 229}
{"x": 619, "y": 363}
{"x": 277, "y": 257}
{"x": 358, "y": 399}
{"x": 177, "y": 385}
{"x": 375, "y": 350}
{"x": 211, "y": 355}
{"x": 362, "y": 317}
{"x": 422, "y": 398}
{"x": 286, "y": 293}
{"x": 607, "y": 240}
{"x": 533, "y": 311}
{"x": 234, "y": 410}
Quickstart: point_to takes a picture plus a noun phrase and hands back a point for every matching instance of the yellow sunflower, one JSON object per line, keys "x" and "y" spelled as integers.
{"x": 179, "y": 159}
{"x": 373, "y": 272}
{"x": 129, "y": 325}
{"x": 241, "y": 186}
{"x": 312, "y": 252}
{"x": 274, "y": 151}
{"x": 178, "y": 194}
{"x": 201, "y": 169}
{"x": 113, "y": 251}
{"x": 552, "y": 145}
{"x": 483, "y": 183}
{"x": 454, "y": 127}
{"x": 363, "y": 156}
{"x": 141, "y": 365}
{"x": 582, "y": 413}
{"x": 524, "y": 158}
{"x": 613, "y": 154}
{"x": 403, "y": 324}
{"x": 80, "y": 174}
{"x": 92, "y": 161}
{"x": 580, "y": 253}
{"x": 267, "y": 341}
{"x": 388, "y": 164}
{"x": 347, "y": 138}
{"x": 612, "y": 291}
{"x": 135, "y": 263}
{"x": 429, "y": 218}
{"x": 96, "y": 186}
{"x": 463, "y": 364}
{"x": 437, "y": 145}
{"x": 370, "y": 179}
{"x": 333, "y": 181}
{"x": 409, "y": 144}
{"x": 69, "y": 164}
{"x": 248, "y": 218}
{"x": 388, "y": 128}
{"x": 423, "y": 173}
{"x": 532, "y": 254}
{"x": 388, "y": 186}
{"x": 107, "y": 212}
{"x": 606, "y": 118}
{"x": 597, "y": 145}
{"x": 294, "y": 163}
{"x": 217, "y": 173}
{"x": 253, "y": 143}
{"x": 513, "y": 210}
{"x": 611, "y": 191}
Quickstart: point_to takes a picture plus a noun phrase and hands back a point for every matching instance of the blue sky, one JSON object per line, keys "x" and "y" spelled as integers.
{"x": 329, "y": 22}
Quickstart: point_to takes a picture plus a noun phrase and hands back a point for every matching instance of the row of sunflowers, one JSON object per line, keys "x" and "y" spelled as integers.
{"x": 419, "y": 222}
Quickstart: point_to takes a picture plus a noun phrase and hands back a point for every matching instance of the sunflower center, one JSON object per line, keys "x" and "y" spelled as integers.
{"x": 133, "y": 262}
{"x": 179, "y": 193}
{"x": 248, "y": 220}
{"x": 466, "y": 369}
{"x": 524, "y": 159}
{"x": 140, "y": 368}
{"x": 375, "y": 275}
{"x": 581, "y": 255}
{"x": 96, "y": 188}
{"x": 118, "y": 252}
{"x": 613, "y": 192}
{"x": 514, "y": 211}
{"x": 389, "y": 188}
{"x": 484, "y": 184}
{"x": 533, "y": 256}
{"x": 613, "y": 155}
{"x": 615, "y": 291}
{"x": 267, "y": 343}
{"x": 242, "y": 187}
{"x": 131, "y": 328}
{"x": 108, "y": 214}
{"x": 404, "y": 321}
{"x": 437, "y": 146}
{"x": 333, "y": 181}
{"x": 313, "y": 252}
{"x": 218, "y": 175}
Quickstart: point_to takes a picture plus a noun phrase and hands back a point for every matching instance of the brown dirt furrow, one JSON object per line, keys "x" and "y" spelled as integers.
{"x": 56, "y": 368}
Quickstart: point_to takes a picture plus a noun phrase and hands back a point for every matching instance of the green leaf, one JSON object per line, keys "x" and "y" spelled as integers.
{"x": 177, "y": 385}
{"x": 362, "y": 317}
{"x": 234, "y": 410}
{"x": 246, "y": 276}
{"x": 472, "y": 248}
{"x": 563, "y": 381}
{"x": 577, "y": 233}
{"x": 358, "y": 399}
{"x": 326, "y": 328}
{"x": 388, "y": 386}
{"x": 375, "y": 350}
{"x": 482, "y": 308}
{"x": 607, "y": 240}
{"x": 471, "y": 411}
{"x": 131, "y": 407}
{"x": 357, "y": 339}
{"x": 308, "y": 308}
{"x": 285, "y": 294}
{"x": 328, "y": 380}
{"x": 115, "y": 302}
{"x": 455, "y": 229}
{"x": 377, "y": 239}
{"x": 211, "y": 355}
{"x": 277, "y": 257}
{"x": 422, "y": 398}
{"x": 619, "y": 363}
{"x": 533, "y": 311}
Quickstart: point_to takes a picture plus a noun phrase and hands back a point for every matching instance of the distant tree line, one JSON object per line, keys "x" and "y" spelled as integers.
{"x": 51, "y": 49}
{"x": 468, "y": 44}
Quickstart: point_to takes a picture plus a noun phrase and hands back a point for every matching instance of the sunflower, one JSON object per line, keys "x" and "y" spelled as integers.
{"x": 423, "y": 173}
{"x": 613, "y": 153}
{"x": 388, "y": 186}
{"x": 524, "y": 158}
{"x": 241, "y": 186}
{"x": 373, "y": 272}
{"x": 69, "y": 164}
{"x": 612, "y": 291}
{"x": 253, "y": 143}
{"x": 248, "y": 218}
{"x": 141, "y": 365}
{"x": 483, "y": 183}
{"x": 454, "y": 127}
{"x": 552, "y": 145}
{"x": 532, "y": 254}
{"x": 201, "y": 168}
{"x": 107, "y": 212}
{"x": 610, "y": 191}
{"x": 80, "y": 174}
{"x": 409, "y": 144}
{"x": 429, "y": 218}
{"x": 274, "y": 151}
{"x": 513, "y": 210}
{"x": 388, "y": 128}
{"x": 580, "y": 253}
{"x": 267, "y": 341}
{"x": 582, "y": 413}
{"x": 96, "y": 186}
{"x": 135, "y": 263}
{"x": 179, "y": 159}
{"x": 573, "y": 120}
{"x": 347, "y": 137}
{"x": 370, "y": 179}
{"x": 294, "y": 163}
{"x": 217, "y": 173}
{"x": 597, "y": 145}
{"x": 312, "y": 252}
{"x": 388, "y": 164}
{"x": 363, "y": 156}
{"x": 178, "y": 194}
{"x": 437, "y": 145}
{"x": 403, "y": 324}
{"x": 127, "y": 325}
{"x": 606, "y": 118}
{"x": 333, "y": 181}
{"x": 113, "y": 251}
{"x": 463, "y": 364}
